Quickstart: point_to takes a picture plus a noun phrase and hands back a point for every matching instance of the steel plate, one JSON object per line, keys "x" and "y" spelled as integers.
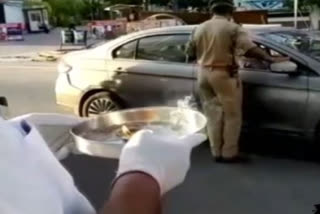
{"x": 98, "y": 136}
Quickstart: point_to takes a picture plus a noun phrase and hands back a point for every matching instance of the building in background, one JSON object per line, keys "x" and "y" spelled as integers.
{"x": 11, "y": 12}
{"x": 12, "y": 22}
{"x": 36, "y": 18}
{"x": 280, "y": 13}
{"x": 32, "y": 18}
{"x": 261, "y": 4}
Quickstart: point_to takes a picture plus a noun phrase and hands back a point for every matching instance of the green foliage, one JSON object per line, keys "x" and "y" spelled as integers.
{"x": 193, "y": 3}
{"x": 310, "y": 2}
{"x": 32, "y": 3}
{"x": 304, "y": 4}
{"x": 127, "y": 1}
{"x": 66, "y": 12}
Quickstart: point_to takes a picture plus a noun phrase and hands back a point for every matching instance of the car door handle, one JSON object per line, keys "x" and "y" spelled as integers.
{"x": 121, "y": 71}
{"x": 164, "y": 80}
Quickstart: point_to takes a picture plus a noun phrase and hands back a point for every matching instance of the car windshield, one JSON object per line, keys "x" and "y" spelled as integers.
{"x": 307, "y": 43}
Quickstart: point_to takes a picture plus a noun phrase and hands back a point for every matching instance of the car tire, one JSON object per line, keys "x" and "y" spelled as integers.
{"x": 99, "y": 103}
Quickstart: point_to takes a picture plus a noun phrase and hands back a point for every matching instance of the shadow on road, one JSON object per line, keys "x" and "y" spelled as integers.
{"x": 283, "y": 147}
{"x": 93, "y": 176}
{"x": 273, "y": 165}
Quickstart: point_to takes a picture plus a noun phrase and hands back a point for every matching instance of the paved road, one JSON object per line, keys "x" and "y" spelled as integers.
{"x": 32, "y": 44}
{"x": 28, "y": 86}
{"x": 274, "y": 183}
{"x": 35, "y": 43}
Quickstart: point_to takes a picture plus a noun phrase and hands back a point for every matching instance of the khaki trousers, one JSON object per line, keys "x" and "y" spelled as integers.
{"x": 221, "y": 98}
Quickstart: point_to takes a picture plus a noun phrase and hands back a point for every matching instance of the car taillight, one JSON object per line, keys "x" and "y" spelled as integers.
{"x": 63, "y": 67}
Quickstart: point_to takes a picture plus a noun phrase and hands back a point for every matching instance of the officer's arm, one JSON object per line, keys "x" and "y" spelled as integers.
{"x": 260, "y": 54}
{"x": 249, "y": 49}
{"x": 134, "y": 193}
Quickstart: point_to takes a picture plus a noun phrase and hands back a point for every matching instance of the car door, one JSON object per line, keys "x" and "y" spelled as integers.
{"x": 153, "y": 73}
{"x": 275, "y": 101}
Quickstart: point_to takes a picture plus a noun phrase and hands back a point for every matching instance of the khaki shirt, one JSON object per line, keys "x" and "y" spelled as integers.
{"x": 218, "y": 41}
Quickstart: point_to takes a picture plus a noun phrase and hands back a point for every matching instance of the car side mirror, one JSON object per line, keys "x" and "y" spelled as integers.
{"x": 4, "y": 107}
{"x": 287, "y": 67}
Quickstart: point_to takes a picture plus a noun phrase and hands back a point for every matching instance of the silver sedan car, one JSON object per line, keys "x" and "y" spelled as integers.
{"x": 150, "y": 68}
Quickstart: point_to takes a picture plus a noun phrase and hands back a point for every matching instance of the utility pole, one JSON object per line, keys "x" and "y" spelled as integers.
{"x": 146, "y": 5}
{"x": 296, "y": 10}
{"x": 175, "y": 6}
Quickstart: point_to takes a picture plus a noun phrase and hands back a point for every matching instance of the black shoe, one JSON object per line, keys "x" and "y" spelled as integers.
{"x": 236, "y": 159}
{"x": 218, "y": 159}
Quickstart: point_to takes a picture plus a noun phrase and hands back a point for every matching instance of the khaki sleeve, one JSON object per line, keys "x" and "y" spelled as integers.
{"x": 191, "y": 46}
{"x": 243, "y": 41}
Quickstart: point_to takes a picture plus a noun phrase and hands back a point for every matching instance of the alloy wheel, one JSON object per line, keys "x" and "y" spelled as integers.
{"x": 101, "y": 106}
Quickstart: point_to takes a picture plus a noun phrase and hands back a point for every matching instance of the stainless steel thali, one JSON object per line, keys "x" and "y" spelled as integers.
{"x": 100, "y": 136}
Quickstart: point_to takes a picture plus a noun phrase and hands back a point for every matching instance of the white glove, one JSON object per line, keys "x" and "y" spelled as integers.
{"x": 54, "y": 128}
{"x": 164, "y": 156}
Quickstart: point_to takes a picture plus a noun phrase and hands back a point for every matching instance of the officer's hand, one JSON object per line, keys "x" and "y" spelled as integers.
{"x": 163, "y": 155}
{"x": 280, "y": 59}
{"x": 54, "y": 128}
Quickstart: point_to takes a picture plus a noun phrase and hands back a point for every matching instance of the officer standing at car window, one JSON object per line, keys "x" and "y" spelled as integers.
{"x": 33, "y": 181}
{"x": 215, "y": 44}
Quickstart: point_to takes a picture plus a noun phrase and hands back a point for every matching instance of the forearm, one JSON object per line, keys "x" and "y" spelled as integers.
{"x": 134, "y": 193}
{"x": 258, "y": 53}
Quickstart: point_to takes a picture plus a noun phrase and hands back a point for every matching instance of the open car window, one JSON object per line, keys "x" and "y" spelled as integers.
{"x": 262, "y": 66}
{"x": 305, "y": 42}
{"x": 255, "y": 64}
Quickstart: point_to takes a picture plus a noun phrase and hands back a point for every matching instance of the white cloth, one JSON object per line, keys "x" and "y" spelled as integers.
{"x": 32, "y": 179}
{"x": 161, "y": 154}
{"x": 54, "y": 128}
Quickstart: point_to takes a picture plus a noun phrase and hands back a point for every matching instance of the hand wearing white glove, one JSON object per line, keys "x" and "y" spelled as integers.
{"x": 163, "y": 155}
{"x": 54, "y": 128}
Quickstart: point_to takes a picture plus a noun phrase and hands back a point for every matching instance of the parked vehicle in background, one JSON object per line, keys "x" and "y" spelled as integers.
{"x": 150, "y": 68}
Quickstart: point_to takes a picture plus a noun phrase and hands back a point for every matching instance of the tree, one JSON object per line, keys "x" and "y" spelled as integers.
{"x": 92, "y": 7}
{"x": 193, "y": 3}
{"x": 313, "y": 6}
{"x": 65, "y": 12}
{"x": 304, "y": 4}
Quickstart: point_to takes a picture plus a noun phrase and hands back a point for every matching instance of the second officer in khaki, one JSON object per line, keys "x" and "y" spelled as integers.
{"x": 215, "y": 44}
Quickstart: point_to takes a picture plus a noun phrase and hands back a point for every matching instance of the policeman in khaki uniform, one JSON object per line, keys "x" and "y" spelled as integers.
{"x": 216, "y": 44}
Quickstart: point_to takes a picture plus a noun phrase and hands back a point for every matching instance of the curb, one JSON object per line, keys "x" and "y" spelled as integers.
{"x": 16, "y": 59}
{"x": 49, "y": 56}
{"x": 46, "y": 56}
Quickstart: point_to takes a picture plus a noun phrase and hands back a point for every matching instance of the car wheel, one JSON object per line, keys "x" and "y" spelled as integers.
{"x": 98, "y": 104}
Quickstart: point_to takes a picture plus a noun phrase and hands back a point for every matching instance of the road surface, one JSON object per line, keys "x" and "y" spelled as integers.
{"x": 32, "y": 44}
{"x": 28, "y": 86}
{"x": 273, "y": 183}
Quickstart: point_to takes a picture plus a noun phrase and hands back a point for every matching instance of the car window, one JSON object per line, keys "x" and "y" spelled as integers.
{"x": 126, "y": 51}
{"x": 169, "y": 48}
{"x": 305, "y": 42}
{"x": 259, "y": 65}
